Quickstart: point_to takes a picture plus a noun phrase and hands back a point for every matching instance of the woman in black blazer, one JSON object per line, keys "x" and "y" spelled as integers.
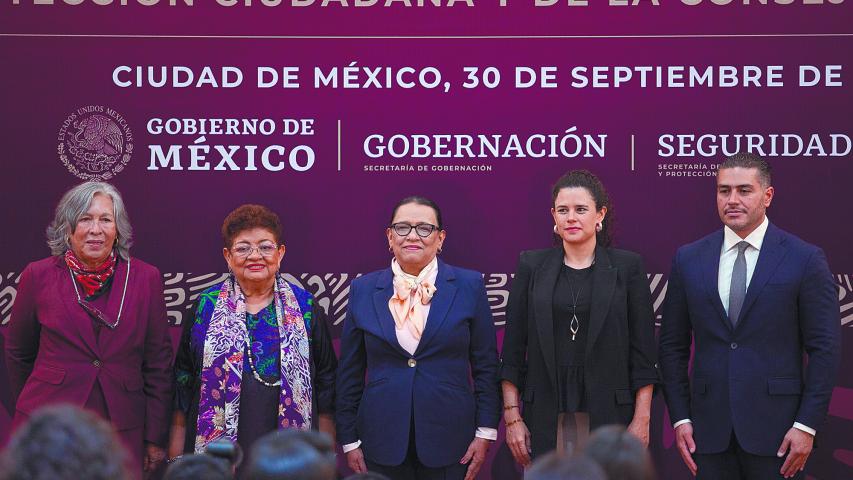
{"x": 579, "y": 347}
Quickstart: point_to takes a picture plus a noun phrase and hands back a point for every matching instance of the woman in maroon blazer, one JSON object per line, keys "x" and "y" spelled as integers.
{"x": 89, "y": 326}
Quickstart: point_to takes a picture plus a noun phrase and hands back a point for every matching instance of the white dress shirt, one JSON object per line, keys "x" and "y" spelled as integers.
{"x": 410, "y": 344}
{"x": 728, "y": 254}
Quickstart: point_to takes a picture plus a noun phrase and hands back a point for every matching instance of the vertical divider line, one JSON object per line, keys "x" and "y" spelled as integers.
{"x": 632, "y": 152}
{"x": 339, "y": 145}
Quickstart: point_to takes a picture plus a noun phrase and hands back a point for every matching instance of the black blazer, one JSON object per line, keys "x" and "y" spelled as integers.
{"x": 620, "y": 352}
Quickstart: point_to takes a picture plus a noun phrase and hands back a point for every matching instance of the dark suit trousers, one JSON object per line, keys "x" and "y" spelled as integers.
{"x": 413, "y": 469}
{"x": 737, "y": 464}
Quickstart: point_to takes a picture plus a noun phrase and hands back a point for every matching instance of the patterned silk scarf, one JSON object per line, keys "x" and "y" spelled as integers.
{"x": 93, "y": 280}
{"x": 222, "y": 365}
{"x": 411, "y": 293}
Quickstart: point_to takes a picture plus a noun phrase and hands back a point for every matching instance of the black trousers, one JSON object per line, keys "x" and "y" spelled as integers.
{"x": 737, "y": 464}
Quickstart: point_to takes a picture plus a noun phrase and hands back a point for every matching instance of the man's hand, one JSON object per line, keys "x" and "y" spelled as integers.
{"x": 686, "y": 445}
{"x": 798, "y": 444}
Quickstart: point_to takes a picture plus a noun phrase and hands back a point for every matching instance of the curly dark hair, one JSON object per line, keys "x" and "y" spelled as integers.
{"x": 64, "y": 442}
{"x": 588, "y": 180}
{"x": 247, "y": 217}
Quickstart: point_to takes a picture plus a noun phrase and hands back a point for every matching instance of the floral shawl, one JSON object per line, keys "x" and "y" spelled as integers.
{"x": 222, "y": 364}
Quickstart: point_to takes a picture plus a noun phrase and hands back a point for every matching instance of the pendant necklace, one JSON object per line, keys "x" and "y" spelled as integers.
{"x": 574, "y": 325}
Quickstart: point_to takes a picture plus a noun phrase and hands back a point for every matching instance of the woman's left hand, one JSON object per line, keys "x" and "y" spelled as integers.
{"x": 154, "y": 456}
{"x": 639, "y": 427}
{"x": 476, "y": 454}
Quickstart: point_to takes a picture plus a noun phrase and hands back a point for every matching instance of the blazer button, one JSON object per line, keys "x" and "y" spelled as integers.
{"x": 96, "y": 363}
{"x": 734, "y": 346}
{"x": 412, "y": 362}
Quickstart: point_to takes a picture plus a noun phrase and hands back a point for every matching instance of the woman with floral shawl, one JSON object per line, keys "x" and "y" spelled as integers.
{"x": 256, "y": 356}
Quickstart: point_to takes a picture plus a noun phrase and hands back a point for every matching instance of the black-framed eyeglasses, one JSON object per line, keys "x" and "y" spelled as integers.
{"x": 265, "y": 249}
{"x": 422, "y": 229}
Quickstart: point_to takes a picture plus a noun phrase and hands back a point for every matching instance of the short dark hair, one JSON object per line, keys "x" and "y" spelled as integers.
{"x": 292, "y": 455}
{"x": 620, "y": 454}
{"x": 247, "y": 217}
{"x": 199, "y": 467}
{"x": 749, "y": 160}
{"x": 64, "y": 442}
{"x": 418, "y": 200}
{"x": 587, "y": 180}
{"x": 554, "y": 466}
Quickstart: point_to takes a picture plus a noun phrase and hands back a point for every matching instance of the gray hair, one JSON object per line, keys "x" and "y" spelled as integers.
{"x": 74, "y": 204}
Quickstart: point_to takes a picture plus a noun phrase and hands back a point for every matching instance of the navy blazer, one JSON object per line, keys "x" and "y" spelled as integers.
{"x": 751, "y": 378}
{"x": 431, "y": 389}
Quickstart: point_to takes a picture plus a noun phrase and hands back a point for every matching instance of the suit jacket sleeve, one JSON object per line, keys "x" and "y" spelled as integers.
{"x": 22, "y": 334}
{"x": 157, "y": 365}
{"x": 484, "y": 362}
{"x": 674, "y": 349}
{"x": 514, "y": 351}
{"x": 325, "y": 362}
{"x": 350, "y": 381}
{"x": 820, "y": 326}
{"x": 186, "y": 366}
{"x": 641, "y": 329}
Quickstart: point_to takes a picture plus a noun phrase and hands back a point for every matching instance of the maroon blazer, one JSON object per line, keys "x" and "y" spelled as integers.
{"x": 54, "y": 356}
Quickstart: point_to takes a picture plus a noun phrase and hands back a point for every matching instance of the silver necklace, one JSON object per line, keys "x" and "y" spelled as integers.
{"x": 123, "y": 293}
{"x": 574, "y": 324}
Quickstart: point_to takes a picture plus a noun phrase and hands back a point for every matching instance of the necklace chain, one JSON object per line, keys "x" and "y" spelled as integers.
{"x": 123, "y": 293}
{"x": 574, "y": 324}
{"x": 257, "y": 376}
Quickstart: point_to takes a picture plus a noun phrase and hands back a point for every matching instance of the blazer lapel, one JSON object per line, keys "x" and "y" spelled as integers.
{"x": 769, "y": 258}
{"x": 603, "y": 284}
{"x": 384, "y": 290}
{"x": 77, "y": 316}
{"x": 711, "y": 273}
{"x": 544, "y": 281}
{"x": 445, "y": 292}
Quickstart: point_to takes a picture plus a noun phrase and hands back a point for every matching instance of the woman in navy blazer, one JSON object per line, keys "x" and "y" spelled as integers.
{"x": 417, "y": 330}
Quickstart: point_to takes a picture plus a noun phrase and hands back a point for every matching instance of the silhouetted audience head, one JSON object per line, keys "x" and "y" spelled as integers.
{"x": 226, "y": 450}
{"x": 553, "y": 466}
{"x": 620, "y": 454}
{"x": 64, "y": 442}
{"x": 367, "y": 476}
{"x": 292, "y": 455}
{"x": 199, "y": 467}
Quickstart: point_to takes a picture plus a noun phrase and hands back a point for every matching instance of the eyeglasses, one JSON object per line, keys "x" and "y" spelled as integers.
{"x": 422, "y": 229}
{"x": 265, "y": 249}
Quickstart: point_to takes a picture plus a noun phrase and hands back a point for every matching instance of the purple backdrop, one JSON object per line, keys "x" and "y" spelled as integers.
{"x": 58, "y": 59}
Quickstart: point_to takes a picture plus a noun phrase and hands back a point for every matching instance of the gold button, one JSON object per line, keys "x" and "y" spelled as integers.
{"x": 96, "y": 363}
{"x": 412, "y": 362}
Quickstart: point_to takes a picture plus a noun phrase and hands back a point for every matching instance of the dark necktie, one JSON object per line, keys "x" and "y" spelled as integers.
{"x": 737, "y": 292}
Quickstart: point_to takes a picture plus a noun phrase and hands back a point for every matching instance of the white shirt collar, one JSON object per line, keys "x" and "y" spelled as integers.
{"x": 754, "y": 239}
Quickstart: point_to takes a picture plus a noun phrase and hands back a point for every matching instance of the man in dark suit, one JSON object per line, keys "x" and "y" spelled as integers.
{"x": 753, "y": 299}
